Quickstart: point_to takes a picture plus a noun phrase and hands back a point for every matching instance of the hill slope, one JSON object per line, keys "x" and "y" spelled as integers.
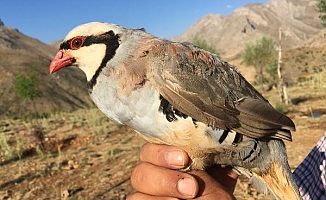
{"x": 18, "y": 54}
{"x": 228, "y": 34}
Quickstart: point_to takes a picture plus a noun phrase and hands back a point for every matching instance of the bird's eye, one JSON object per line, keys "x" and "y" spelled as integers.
{"x": 77, "y": 42}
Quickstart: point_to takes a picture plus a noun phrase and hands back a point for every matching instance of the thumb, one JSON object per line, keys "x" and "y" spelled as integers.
{"x": 224, "y": 175}
{"x": 209, "y": 188}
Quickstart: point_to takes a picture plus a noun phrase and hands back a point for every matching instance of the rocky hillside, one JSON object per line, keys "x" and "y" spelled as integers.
{"x": 18, "y": 54}
{"x": 55, "y": 44}
{"x": 228, "y": 34}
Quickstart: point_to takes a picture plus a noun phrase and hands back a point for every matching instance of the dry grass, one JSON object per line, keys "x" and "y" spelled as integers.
{"x": 84, "y": 155}
{"x": 76, "y": 153}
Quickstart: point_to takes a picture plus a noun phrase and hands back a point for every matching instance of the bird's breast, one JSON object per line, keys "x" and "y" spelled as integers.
{"x": 138, "y": 109}
{"x": 147, "y": 112}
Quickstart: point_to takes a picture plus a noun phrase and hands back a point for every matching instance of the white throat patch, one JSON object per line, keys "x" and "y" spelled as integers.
{"x": 89, "y": 58}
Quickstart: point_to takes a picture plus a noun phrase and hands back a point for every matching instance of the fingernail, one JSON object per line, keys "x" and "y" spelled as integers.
{"x": 175, "y": 158}
{"x": 233, "y": 174}
{"x": 187, "y": 186}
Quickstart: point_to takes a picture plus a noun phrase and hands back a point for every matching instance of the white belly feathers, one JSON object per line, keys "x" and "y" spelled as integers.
{"x": 140, "y": 111}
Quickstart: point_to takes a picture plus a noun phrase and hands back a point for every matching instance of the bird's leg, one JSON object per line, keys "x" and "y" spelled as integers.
{"x": 249, "y": 152}
{"x": 241, "y": 154}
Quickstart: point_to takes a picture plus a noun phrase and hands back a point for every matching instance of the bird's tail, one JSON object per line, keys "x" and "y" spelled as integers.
{"x": 278, "y": 178}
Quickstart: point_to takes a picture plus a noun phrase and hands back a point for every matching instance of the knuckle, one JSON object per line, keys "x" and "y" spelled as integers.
{"x": 138, "y": 175}
{"x": 131, "y": 197}
{"x": 144, "y": 151}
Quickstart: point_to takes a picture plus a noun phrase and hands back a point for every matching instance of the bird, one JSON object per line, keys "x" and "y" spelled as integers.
{"x": 178, "y": 94}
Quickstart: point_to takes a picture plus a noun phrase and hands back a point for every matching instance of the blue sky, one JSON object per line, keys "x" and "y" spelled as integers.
{"x": 51, "y": 20}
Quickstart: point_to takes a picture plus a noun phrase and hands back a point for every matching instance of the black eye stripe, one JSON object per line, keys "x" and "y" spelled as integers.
{"x": 89, "y": 40}
{"x": 112, "y": 42}
{"x": 65, "y": 45}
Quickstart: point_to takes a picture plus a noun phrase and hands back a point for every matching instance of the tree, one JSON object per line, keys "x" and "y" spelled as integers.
{"x": 201, "y": 43}
{"x": 271, "y": 71}
{"x": 26, "y": 87}
{"x": 321, "y": 7}
{"x": 259, "y": 54}
{"x": 281, "y": 85}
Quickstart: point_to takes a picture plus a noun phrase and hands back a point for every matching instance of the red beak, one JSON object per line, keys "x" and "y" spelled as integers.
{"x": 60, "y": 62}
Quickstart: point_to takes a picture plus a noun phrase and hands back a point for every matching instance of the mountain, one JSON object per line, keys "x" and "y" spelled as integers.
{"x": 55, "y": 44}
{"x": 228, "y": 34}
{"x": 22, "y": 54}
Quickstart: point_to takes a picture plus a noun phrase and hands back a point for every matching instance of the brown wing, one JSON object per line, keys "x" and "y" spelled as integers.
{"x": 211, "y": 91}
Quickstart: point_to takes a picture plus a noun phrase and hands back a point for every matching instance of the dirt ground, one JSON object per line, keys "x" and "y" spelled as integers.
{"x": 83, "y": 155}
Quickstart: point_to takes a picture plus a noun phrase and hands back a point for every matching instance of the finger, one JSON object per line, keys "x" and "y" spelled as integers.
{"x": 153, "y": 180}
{"x": 141, "y": 196}
{"x": 164, "y": 156}
{"x": 209, "y": 188}
{"x": 219, "y": 171}
{"x": 224, "y": 175}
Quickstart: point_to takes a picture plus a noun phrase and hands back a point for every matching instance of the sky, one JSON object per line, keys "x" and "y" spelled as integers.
{"x": 49, "y": 20}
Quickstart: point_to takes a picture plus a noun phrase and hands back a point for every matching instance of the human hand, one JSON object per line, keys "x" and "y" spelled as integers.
{"x": 157, "y": 177}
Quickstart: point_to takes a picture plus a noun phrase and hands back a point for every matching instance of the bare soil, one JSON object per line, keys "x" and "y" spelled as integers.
{"x": 84, "y": 155}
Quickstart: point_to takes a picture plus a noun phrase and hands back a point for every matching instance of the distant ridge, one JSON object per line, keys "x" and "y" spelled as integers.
{"x": 228, "y": 34}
